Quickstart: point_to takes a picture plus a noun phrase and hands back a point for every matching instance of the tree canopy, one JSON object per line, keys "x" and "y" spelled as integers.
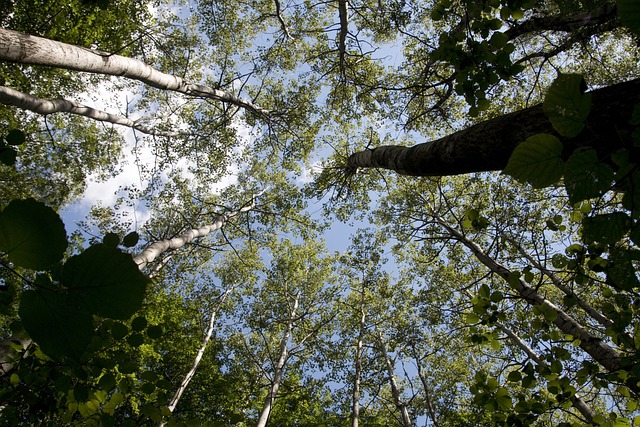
{"x": 376, "y": 213}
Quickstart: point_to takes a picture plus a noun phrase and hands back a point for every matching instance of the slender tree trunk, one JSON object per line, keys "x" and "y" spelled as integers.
{"x": 25, "y": 101}
{"x": 425, "y": 386}
{"x": 205, "y": 342}
{"x": 32, "y": 50}
{"x": 488, "y": 145}
{"x": 590, "y": 310}
{"x": 157, "y": 248}
{"x": 357, "y": 375}
{"x": 279, "y": 368}
{"x": 593, "y": 345}
{"x": 577, "y": 401}
{"x": 395, "y": 390}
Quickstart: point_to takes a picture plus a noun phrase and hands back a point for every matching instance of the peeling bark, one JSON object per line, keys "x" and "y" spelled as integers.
{"x": 488, "y": 145}
{"x": 25, "y": 101}
{"x": 33, "y": 50}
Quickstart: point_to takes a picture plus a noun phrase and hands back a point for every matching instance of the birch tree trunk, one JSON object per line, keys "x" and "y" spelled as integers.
{"x": 205, "y": 342}
{"x": 33, "y": 50}
{"x": 357, "y": 375}
{"x": 161, "y": 246}
{"x": 488, "y": 145}
{"x": 576, "y": 400}
{"x": 395, "y": 390}
{"x": 25, "y": 101}
{"x": 592, "y": 344}
{"x": 425, "y": 386}
{"x": 279, "y": 368}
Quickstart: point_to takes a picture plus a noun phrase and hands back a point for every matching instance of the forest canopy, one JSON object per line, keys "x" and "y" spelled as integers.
{"x": 376, "y": 213}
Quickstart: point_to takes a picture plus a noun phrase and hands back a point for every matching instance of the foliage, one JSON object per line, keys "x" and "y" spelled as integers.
{"x": 450, "y": 304}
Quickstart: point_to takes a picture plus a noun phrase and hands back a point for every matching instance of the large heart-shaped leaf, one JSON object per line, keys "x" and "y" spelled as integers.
{"x": 32, "y": 234}
{"x": 59, "y": 327}
{"x": 537, "y": 161}
{"x": 566, "y": 105}
{"x": 105, "y": 281}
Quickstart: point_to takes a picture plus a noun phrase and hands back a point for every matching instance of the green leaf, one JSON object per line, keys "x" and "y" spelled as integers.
{"x": 585, "y": 177}
{"x": 15, "y": 137}
{"x": 566, "y": 105}
{"x": 607, "y": 228}
{"x": 60, "y": 328}
{"x": 119, "y": 331}
{"x": 629, "y": 13}
{"x": 131, "y": 239}
{"x": 8, "y": 156}
{"x": 32, "y": 234}
{"x": 138, "y": 324}
{"x": 111, "y": 240}
{"x": 105, "y": 281}
{"x": 537, "y": 161}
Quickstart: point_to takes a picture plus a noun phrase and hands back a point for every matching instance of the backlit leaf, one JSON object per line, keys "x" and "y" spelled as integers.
{"x": 566, "y": 105}
{"x": 106, "y": 281}
{"x": 585, "y": 177}
{"x": 32, "y": 234}
{"x": 537, "y": 161}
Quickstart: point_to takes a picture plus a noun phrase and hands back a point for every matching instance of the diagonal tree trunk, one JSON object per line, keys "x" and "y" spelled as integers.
{"x": 279, "y": 368}
{"x": 395, "y": 390}
{"x": 25, "y": 101}
{"x": 488, "y": 145}
{"x": 157, "y": 248}
{"x": 591, "y": 344}
{"x": 205, "y": 342}
{"x": 33, "y": 50}
{"x": 576, "y": 400}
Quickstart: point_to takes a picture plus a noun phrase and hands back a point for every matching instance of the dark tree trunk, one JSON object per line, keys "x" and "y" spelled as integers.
{"x": 488, "y": 145}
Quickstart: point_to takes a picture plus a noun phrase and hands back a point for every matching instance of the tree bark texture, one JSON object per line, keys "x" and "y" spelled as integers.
{"x": 33, "y": 50}
{"x": 158, "y": 248}
{"x": 25, "y": 101}
{"x": 488, "y": 145}
{"x": 270, "y": 399}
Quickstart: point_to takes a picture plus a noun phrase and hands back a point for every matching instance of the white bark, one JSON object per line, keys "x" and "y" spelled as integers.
{"x": 28, "y": 49}
{"x": 25, "y": 101}
{"x": 425, "y": 385}
{"x": 205, "y": 342}
{"x": 395, "y": 390}
{"x": 279, "y": 368}
{"x": 577, "y": 401}
{"x": 592, "y": 344}
{"x": 355, "y": 397}
{"x": 157, "y": 248}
